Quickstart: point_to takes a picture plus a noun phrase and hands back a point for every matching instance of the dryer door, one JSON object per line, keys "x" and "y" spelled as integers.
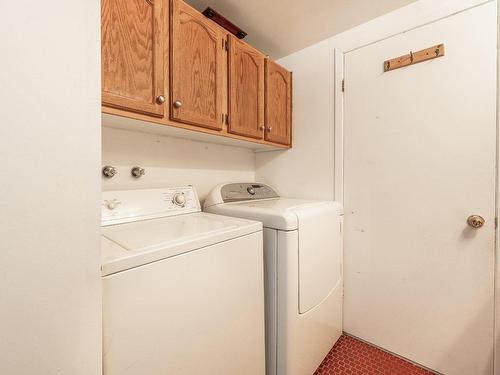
{"x": 320, "y": 253}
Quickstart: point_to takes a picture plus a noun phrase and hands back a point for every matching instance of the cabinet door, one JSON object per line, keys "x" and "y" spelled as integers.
{"x": 278, "y": 113}
{"x": 133, "y": 55}
{"x": 246, "y": 90}
{"x": 197, "y": 58}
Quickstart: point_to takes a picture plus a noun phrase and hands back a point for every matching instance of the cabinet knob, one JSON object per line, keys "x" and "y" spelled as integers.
{"x": 160, "y": 99}
{"x": 269, "y": 128}
{"x": 262, "y": 127}
{"x": 177, "y": 104}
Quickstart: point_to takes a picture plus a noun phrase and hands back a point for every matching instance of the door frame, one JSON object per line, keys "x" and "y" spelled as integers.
{"x": 355, "y": 42}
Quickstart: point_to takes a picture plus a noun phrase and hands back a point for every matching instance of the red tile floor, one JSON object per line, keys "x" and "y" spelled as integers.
{"x": 351, "y": 356}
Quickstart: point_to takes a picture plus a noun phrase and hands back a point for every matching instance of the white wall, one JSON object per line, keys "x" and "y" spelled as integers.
{"x": 172, "y": 161}
{"x": 49, "y": 184}
{"x": 307, "y": 170}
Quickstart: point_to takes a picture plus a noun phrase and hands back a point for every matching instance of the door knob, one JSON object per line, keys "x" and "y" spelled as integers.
{"x": 177, "y": 104}
{"x": 475, "y": 221}
{"x": 160, "y": 99}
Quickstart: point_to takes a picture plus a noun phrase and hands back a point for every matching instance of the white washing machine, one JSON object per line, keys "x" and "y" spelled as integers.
{"x": 183, "y": 290}
{"x": 303, "y": 272}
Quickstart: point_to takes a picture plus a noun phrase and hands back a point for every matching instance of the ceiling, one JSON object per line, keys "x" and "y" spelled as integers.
{"x": 280, "y": 27}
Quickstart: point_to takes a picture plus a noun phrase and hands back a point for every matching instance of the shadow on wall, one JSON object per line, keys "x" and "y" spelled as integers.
{"x": 172, "y": 161}
{"x": 129, "y": 147}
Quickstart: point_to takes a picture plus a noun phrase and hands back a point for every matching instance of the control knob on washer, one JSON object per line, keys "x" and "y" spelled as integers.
{"x": 179, "y": 199}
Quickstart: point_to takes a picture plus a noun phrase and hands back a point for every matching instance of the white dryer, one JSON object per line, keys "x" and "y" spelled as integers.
{"x": 183, "y": 290}
{"x": 303, "y": 272}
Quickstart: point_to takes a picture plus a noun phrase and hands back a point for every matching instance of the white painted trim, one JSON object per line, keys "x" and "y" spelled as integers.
{"x": 338, "y": 127}
{"x": 372, "y": 29}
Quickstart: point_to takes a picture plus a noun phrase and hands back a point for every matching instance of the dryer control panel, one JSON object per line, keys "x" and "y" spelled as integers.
{"x": 124, "y": 206}
{"x": 246, "y": 191}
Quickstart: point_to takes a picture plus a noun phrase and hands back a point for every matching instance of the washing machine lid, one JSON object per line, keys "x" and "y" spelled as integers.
{"x": 277, "y": 213}
{"x": 133, "y": 244}
{"x": 258, "y": 201}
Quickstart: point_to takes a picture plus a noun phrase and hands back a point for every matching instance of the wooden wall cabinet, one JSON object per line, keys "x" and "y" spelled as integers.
{"x": 246, "y": 90}
{"x": 165, "y": 63}
{"x": 278, "y": 99}
{"x": 197, "y": 57}
{"x": 133, "y": 67}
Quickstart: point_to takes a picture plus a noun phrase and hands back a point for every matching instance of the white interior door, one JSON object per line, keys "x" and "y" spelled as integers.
{"x": 420, "y": 150}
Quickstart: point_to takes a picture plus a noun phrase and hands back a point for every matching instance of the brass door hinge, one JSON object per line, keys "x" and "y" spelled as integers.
{"x": 343, "y": 85}
{"x": 225, "y": 44}
{"x": 226, "y": 119}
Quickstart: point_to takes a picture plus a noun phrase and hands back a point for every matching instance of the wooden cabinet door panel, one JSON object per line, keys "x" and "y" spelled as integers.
{"x": 197, "y": 58}
{"x": 132, "y": 55}
{"x": 278, "y": 112}
{"x": 246, "y": 90}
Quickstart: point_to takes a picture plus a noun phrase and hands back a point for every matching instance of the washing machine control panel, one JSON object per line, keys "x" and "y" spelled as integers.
{"x": 247, "y": 191}
{"x": 132, "y": 205}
